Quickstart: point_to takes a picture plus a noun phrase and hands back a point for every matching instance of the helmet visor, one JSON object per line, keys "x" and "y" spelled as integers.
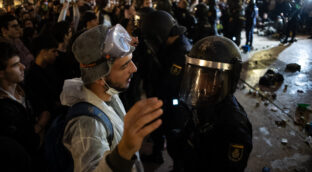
{"x": 203, "y": 86}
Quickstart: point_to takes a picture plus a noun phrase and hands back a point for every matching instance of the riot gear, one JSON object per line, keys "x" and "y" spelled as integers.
{"x": 212, "y": 71}
{"x": 157, "y": 27}
{"x": 234, "y": 16}
{"x": 165, "y": 68}
{"x": 201, "y": 11}
{"x": 183, "y": 15}
{"x": 218, "y": 130}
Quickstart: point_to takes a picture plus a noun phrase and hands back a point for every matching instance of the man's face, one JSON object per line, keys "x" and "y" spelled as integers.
{"x": 181, "y": 4}
{"x": 29, "y": 24}
{"x": 13, "y": 30}
{"x": 121, "y": 73}
{"x": 14, "y": 72}
{"x": 148, "y": 3}
{"x": 50, "y": 55}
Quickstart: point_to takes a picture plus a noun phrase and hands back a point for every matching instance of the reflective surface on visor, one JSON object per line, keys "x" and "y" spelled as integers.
{"x": 201, "y": 87}
{"x": 208, "y": 64}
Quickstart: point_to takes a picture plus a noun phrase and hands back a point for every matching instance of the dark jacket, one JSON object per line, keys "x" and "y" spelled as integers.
{"x": 185, "y": 18}
{"x": 172, "y": 59}
{"x": 16, "y": 123}
{"x": 251, "y": 15}
{"x": 201, "y": 30}
{"x": 221, "y": 140}
{"x": 43, "y": 89}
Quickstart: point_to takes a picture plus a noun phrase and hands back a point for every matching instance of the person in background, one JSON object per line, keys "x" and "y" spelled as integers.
{"x": 41, "y": 83}
{"x": 16, "y": 121}
{"x": 251, "y": 14}
{"x": 10, "y": 31}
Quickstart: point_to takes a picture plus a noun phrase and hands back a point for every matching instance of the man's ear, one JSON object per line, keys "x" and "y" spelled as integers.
{"x": 100, "y": 81}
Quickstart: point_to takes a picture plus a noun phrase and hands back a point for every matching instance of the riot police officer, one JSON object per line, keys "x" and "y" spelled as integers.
{"x": 183, "y": 16}
{"x": 167, "y": 45}
{"x": 213, "y": 15}
{"x": 235, "y": 21}
{"x": 251, "y": 14}
{"x": 219, "y": 134}
{"x": 203, "y": 27}
{"x": 293, "y": 20}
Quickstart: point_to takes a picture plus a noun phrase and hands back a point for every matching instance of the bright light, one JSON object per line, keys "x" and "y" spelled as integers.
{"x": 17, "y": 2}
{"x": 175, "y": 102}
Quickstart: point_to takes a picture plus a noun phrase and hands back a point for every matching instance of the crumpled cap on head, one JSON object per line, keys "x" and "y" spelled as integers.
{"x": 97, "y": 48}
{"x": 88, "y": 49}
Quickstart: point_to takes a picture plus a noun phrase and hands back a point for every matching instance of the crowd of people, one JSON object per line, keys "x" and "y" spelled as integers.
{"x": 59, "y": 59}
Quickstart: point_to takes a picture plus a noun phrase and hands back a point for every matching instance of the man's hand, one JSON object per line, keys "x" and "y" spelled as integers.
{"x": 138, "y": 123}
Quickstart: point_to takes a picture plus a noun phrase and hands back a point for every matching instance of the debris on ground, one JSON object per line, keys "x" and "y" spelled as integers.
{"x": 273, "y": 95}
{"x": 253, "y": 93}
{"x": 300, "y": 91}
{"x": 266, "y": 103}
{"x": 308, "y": 140}
{"x": 257, "y": 104}
{"x": 274, "y": 109}
{"x": 284, "y": 141}
{"x": 293, "y": 67}
{"x": 285, "y": 88}
{"x": 265, "y": 169}
{"x": 241, "y": 86}
{"x": 271, "y": 78}
{"x": 302, "y": 114}
{"x": 281, "y": 123}
{"x": 308, "y": 128}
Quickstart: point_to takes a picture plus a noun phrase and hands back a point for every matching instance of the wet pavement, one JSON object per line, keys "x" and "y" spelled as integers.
{"x": 279, "y": 143}
{"x": 269, "y": 151}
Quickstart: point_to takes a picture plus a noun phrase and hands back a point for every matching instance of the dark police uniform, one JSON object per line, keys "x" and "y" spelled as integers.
{"x": 250, "y": 15}
{"x": 292, "y": 25}
{"x": 203, "y": 27}
{"x": 235, "y": 21}
{"x": 185, "y": 18}
{"x": 213, "y": 17}
{"x": 220, "y": 141}
{"x": 172, "y": 59}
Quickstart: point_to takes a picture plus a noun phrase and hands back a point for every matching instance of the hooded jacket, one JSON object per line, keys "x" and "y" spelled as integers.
{"x": 85, "y": 137}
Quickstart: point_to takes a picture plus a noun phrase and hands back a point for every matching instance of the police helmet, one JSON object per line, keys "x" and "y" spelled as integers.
{"x": 212, "y": 71}
{"x": 158, "y": 26}
{"x": 201, "y": 11}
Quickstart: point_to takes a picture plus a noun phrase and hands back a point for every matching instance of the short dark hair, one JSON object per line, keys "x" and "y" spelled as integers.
{"x": 44, "y": 41}
{"x": 88, "y": 16}
{"x": 5, "y": 19}
{"x": 7, "y": 52}
{"x": 59, "y": 30}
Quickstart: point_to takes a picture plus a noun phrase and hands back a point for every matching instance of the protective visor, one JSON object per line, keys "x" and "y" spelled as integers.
{"x": 117, "y": 42}
{"x": 204, "y": 82}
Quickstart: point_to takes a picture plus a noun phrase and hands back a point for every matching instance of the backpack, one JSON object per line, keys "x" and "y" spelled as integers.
{"x": 58, "y": 156}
